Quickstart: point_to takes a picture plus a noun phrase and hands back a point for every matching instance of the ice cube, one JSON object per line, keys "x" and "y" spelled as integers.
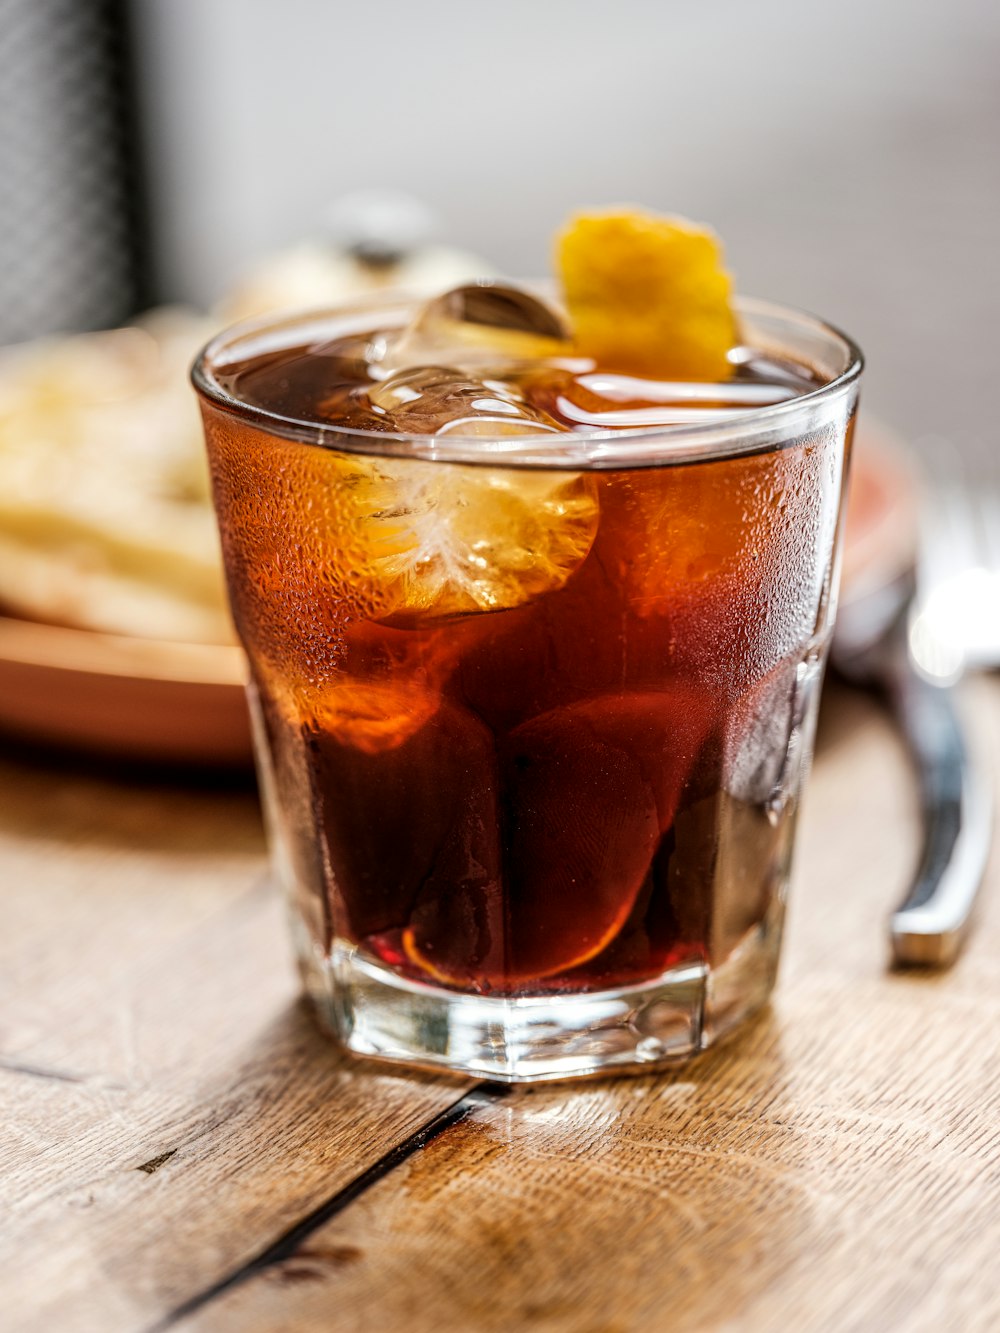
{"x": 434, "y": 400}
{"x": 760, "y": 731}
{"x": 480, "y": 324}
{"x": 405, "y": 826}
{"x": 495, "y": 306}
{"x": 589, "y": 789}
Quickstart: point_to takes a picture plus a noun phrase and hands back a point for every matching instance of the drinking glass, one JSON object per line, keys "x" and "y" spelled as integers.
{"x": 532, "y": 714}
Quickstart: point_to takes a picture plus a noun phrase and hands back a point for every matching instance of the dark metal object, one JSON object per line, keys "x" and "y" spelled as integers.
{"x": 871, "y": 648}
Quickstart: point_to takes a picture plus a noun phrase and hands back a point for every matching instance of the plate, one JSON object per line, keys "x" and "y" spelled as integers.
{"x": 137, "y": 699}
{"x": 183, "y": 704}
{"x": 882, "y": 522}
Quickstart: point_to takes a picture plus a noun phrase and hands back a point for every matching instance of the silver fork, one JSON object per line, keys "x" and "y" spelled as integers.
{"x": 953, "y": 625}
{"x": 956, "y": 625}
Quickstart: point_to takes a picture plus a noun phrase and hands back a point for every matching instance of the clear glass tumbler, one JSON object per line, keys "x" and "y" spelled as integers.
{"x": 543, "y": 829}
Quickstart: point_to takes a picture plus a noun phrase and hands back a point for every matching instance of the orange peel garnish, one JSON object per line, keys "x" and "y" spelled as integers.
{"x": 647, "y": 294}
{"x": 416, "y": 956}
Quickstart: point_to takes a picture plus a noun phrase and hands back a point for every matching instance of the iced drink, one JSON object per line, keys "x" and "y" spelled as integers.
{"x": 534, "y": 652}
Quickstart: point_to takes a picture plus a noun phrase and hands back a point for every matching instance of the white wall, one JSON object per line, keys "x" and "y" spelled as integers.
{"x": 847, "y": 153}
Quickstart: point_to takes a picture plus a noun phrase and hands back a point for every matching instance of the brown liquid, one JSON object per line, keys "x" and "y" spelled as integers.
{"x": 333, "y": 382}
{"x": 576, "y": 785}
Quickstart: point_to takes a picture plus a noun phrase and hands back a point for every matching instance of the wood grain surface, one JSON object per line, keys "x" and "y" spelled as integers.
{"x": 183, "y": 1149}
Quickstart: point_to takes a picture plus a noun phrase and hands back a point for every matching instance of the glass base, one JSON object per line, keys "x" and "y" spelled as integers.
{"x": 376, "y": 1013}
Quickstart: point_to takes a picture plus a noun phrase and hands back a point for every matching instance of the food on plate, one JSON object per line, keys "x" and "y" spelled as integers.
{"x": 105, "y": 511}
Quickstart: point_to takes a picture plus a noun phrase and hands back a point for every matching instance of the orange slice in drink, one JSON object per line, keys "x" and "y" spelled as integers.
{"x": 590, "y": 789}
{"x": 647, "y": 295}
{"x": 444, "y": 538}
{"x": 583, "y": 828}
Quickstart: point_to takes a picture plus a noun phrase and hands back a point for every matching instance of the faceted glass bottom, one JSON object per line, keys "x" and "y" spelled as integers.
{"x": 376, "y": 1013}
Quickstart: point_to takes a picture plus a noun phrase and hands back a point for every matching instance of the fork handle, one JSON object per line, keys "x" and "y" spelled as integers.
{"x": 929, "y": 926}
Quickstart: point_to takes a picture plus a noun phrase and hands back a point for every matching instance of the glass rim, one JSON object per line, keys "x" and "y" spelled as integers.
{"x": 757, "y": 429}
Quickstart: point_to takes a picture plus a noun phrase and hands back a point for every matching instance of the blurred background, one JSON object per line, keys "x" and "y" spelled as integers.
{"x": 193, "y": 152}
{"x": 847, "y": 154}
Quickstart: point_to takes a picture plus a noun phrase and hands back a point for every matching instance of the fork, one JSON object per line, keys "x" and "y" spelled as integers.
{"x": 952, "y": 625}
{"x": 956, "y": 622}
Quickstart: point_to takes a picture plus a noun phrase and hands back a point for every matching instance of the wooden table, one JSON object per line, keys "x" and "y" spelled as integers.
{"x": 183, "y": 1149}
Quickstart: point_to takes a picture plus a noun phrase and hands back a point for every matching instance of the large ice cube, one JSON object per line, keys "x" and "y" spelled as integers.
{"x": 404, "y": 825}
{"x": 447, "y": 372}
{"x": 759, "y": 729}
{"x": 769, "y": 734}
{"x": 435, "y": 400}
{"x": 478, "y": 325}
